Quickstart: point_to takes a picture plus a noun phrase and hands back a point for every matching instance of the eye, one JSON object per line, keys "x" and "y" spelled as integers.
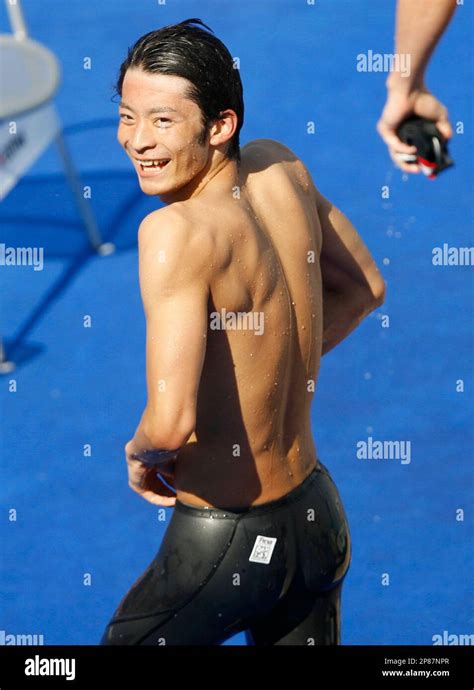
{"x": 162, "y": 119}
{"x": 126, "y": 115}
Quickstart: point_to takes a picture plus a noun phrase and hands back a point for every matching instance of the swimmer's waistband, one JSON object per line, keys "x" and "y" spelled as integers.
{"x": 252, "y": 511}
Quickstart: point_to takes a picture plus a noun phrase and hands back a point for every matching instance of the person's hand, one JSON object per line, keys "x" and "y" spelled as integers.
{"x": 145, "y": 480}
{"x": 401, "y": 104}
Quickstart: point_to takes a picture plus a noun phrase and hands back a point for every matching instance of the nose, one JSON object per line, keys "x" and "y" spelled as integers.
{"x": 142, "y": 137}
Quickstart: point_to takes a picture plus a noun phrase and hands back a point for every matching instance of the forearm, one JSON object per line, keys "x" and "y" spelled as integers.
{"x": 420, "y": 24}
{"x": 342, "y": 313}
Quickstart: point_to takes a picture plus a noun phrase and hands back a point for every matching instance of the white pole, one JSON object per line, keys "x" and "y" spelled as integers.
{"x": 17, "y": 19}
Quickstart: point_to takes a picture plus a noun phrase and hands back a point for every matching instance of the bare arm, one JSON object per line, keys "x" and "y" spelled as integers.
{"x": 352, "y": 284}
{"x": 420, "y": 25}
{"x": 174, "y": 287}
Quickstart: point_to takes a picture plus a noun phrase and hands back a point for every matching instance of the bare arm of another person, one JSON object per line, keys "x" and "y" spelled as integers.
{"x": 420, "y": 25}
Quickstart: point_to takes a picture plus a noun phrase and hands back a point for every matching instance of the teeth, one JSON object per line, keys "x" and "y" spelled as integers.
{"x": 153, "y": 163}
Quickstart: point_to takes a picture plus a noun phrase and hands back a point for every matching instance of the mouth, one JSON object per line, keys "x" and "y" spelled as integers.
{"x": 152, "y": 166}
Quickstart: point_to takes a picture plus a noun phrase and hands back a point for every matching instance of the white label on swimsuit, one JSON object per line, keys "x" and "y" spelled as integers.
{"x": 262, "y": 549}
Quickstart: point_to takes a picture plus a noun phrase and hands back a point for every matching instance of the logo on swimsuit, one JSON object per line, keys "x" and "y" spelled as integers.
{"x": 263, "y": 549}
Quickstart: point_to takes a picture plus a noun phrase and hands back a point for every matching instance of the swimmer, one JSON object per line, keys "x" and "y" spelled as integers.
{"x": 258, "y": 540}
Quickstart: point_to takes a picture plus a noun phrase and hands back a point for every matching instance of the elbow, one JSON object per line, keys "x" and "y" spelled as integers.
{"x": 171, "y": 439}
{"x": 376, "y": 287}
{"x": 168, "y": 435}
{"x": 370, "y": 296}
{"x": 379, "y": 293}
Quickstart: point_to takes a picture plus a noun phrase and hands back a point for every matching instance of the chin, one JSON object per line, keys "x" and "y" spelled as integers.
{"x": 152, "y": 187}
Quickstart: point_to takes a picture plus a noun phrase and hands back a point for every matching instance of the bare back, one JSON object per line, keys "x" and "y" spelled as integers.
{"x": 252, "y": 442}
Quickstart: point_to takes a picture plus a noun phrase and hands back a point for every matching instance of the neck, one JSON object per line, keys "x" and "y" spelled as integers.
{"x": 224, "y": 173}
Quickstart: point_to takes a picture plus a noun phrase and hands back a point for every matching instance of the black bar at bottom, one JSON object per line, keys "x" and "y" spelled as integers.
{"x": 79, "y": 666}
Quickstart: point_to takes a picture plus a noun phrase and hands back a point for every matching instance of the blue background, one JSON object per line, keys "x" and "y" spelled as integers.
{"x": 77, "y": 386}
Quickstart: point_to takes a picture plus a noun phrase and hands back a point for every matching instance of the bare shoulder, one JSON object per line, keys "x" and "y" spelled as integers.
{"x": 178, "y": 222}
{"x": 270, "y": 148}
{"x": 174, "y": 235}
{"x": 268, "y": 145}
{"x": 162, "y": 220}
{"x": 259, "y": 154}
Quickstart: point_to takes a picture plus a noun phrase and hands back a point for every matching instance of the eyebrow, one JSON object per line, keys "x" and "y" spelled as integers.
{"x": 159, "y": 109}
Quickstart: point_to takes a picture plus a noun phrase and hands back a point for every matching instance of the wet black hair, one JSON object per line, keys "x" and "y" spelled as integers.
{"x": 194, "y": 53}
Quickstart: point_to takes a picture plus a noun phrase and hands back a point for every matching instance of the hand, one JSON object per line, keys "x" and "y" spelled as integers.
{"x": 145, "y": 480}
{"x": 401, "y": 104}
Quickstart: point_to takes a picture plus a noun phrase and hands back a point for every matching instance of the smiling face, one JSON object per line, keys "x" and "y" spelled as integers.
{"x": 162, "y": 132}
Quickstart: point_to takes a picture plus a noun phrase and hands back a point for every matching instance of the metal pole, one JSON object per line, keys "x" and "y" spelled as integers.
{"x": 85, "y": 210}
{"x": 17, "y": 19}
{"x": 20, "y": 32}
